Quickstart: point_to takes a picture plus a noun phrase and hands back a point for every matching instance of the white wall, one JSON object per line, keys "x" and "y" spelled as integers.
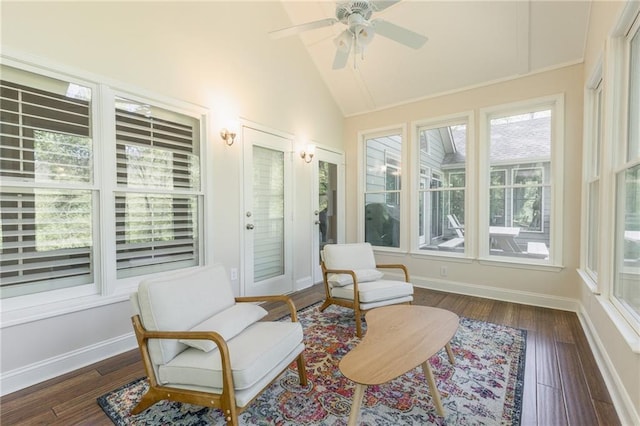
{"x": 213, "y": 54}
{"x": 552, "y": 288}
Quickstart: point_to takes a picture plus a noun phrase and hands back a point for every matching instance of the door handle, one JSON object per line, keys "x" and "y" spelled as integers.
{"x": 317, "y": 222}
{"x": 250, "y": 226}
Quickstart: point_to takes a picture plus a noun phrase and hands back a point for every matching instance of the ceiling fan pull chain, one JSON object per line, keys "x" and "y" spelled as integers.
{"x": 355, "y": 51}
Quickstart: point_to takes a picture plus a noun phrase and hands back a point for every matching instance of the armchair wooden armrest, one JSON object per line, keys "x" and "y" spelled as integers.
{"x": 275, "y": 298}
{"x": 143, "y": 335}
{"x": 326, "y": 272}
{"x": 396, "y": 266}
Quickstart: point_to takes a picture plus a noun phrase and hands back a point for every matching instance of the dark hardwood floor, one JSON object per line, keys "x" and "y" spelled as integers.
{"x": 563, "y": 385}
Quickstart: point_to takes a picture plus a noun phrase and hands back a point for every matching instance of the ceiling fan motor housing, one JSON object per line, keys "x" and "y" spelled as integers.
{"x": 359, "y": 7}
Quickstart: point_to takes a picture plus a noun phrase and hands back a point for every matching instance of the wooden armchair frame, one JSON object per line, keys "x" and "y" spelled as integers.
{"x": 224, "y": 401}
{"x": 355, "y": 303}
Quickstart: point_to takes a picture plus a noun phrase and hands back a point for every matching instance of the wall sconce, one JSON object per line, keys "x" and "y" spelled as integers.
{"x": 228, "y": 136}
{"x": 307, "y": 153}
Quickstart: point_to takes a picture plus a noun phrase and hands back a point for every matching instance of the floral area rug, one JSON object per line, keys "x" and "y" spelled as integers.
{"x": 484, "y": 387}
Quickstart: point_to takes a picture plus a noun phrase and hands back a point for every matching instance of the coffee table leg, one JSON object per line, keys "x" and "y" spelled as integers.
{"x": 432, "y": 385}
{"x": 358, "y": 394}
{"x": 452, "y": 360}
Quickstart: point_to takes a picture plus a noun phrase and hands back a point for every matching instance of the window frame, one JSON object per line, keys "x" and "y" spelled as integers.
{"x": 619, "y": 80}
{"x": 467, "y": 119}
{"x": 592, "y": 165}
{"x": 105, "y": 288}
{"x": 556, "y": 104}
{"x": 363, "y": 136}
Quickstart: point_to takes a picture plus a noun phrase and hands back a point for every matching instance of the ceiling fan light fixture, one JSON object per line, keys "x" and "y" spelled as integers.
{"x": 364, "y": 35}
{"x": 343, "y": 41}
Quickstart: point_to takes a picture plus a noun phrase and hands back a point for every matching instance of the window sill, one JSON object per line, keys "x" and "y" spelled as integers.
{"x": 520, "y": 265}
{"x": 449, "y": 257}
{"x": 588, "y": 281}
{"x": 628, "y": 333}
{"x": 626, "y": 330}
{"x": 506, "y": 263}
{"x": 43, "y": 311}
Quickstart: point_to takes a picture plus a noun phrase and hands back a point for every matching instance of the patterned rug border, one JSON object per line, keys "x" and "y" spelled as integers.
{"x": 119, "y": 420}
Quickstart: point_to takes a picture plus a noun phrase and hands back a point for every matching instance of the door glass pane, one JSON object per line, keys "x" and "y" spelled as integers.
{"x": 268, "y": 196}
{"x": 328, "y": 196}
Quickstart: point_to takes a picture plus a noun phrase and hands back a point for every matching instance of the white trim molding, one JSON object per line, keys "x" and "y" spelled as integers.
{"x": 40, "y": 371}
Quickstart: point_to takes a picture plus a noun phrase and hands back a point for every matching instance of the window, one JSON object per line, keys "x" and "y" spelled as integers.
{"x": 522, "y": 150}
{"x": 626, "y": 283}
{"x": 441, "y": 193}
{"x": 382, "y": 179}
{"x": 158, "y": 178}
{"x": 47, "y": 198}
{"x": 591, "y": 165}
{"x": 56, "y": 172}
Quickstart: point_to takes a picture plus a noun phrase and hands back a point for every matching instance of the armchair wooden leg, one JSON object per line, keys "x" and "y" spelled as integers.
{"x": 302, "y": 372}
{"x": 230, "y": 412}
{"x": 324, "y": 305}
{"x": 358, "y": 324}
{"x": 148, "y": 399}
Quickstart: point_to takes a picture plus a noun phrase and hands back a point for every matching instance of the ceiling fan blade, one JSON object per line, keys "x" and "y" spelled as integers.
{"x": 399, "y": 34}
{"x": 379, "y": 5}
{"x": 297, "y": 29}
{"x": 342, "y": 56}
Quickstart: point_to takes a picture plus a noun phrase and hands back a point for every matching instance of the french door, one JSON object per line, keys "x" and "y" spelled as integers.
{"x": 329, "y": 205}
{"x": 267, "y": 213}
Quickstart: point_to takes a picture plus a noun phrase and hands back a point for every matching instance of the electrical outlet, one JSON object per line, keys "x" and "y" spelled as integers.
{"x": 234, "y": 274}
{"x": 443, "y": 271}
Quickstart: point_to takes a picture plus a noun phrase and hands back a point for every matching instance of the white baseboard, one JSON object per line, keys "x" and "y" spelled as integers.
{"x": 304, "y": 282}
{"x": 621, "y": 399}
{"x": 32, "y": 374}
{"x": 505, "y": 295}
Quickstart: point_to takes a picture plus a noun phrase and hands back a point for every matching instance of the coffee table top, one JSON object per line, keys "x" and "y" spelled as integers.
{"x": 399, "y": 338}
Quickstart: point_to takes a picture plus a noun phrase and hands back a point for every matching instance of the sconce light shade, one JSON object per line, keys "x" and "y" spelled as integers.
{"x": 228, "y": 136}
{"x": 307, "y": 153}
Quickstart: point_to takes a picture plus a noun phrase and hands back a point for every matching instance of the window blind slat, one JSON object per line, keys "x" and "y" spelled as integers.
{"x": 154, "y": 230}
{"x": 46, "y": 235}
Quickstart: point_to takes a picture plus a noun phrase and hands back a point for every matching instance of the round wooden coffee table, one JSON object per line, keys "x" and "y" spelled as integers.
{"x": 399, "y": 338}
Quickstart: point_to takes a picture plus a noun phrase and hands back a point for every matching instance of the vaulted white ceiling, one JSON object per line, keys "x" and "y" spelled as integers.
{"x": 470, "y": 43}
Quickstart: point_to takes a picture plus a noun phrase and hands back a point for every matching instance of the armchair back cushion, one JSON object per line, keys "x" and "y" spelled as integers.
{"x": 349, "y": 256}
{"x": 357, "y": 257}
{"x": 180, "y": 301}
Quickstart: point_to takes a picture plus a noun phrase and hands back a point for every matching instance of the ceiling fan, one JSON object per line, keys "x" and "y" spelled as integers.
{"x": 356, "y": 15}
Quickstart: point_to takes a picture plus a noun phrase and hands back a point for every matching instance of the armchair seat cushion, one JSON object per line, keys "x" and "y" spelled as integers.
{"x": 375, "y": 291}
{"x": 256, "y": 351}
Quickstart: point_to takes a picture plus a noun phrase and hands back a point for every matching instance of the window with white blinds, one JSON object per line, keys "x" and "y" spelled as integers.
{"x": 46, "y": 201}
{"x": 158, "y": 179}
{"x": 50, "y": 210}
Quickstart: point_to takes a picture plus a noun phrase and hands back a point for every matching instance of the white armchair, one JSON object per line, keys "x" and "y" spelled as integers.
{"x": 352, "y": 279}
{"x": 202, "y": 346}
